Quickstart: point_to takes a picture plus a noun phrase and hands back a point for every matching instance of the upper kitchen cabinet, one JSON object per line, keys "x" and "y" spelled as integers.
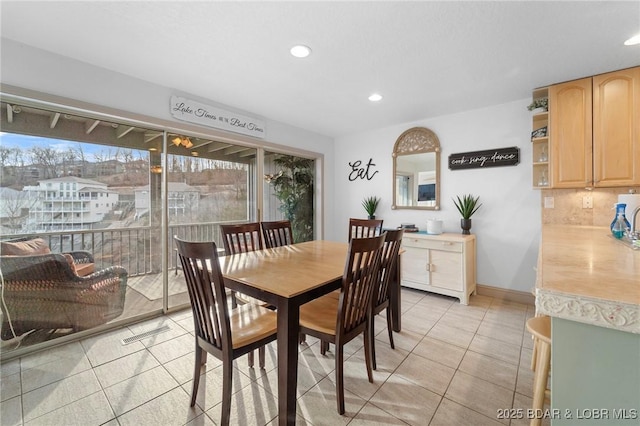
{"x": 570, "y": 133}
{"x": 594, "y": 131}
{"x": 616, "y": 128}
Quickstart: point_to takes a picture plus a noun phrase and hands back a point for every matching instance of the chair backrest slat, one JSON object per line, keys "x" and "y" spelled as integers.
{"x": 389, "y": 260}
{"x": 206, "y": 291}
{"x": 364, "y": 228}
{"x": 241, "y": 238}
{"x": 277, "y": 233}
{"x": 360, "y": 278}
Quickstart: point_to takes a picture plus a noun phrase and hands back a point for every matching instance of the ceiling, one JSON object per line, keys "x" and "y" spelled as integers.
{"x": 425, "y": 58}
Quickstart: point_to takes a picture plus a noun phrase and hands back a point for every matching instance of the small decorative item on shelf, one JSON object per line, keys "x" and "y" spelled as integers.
{"x": 543, "y": 154}
{"x": 467, "y": 206}
{"x": 370, "y": 205}
{"x": 539, "y": 105}
{"x": 539, "y": 133}
{"x": 543, "y": 181}
{"x": 408, "y": 227}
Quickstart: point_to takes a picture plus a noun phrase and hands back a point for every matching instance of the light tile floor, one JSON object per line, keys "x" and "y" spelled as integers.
{"x": 453, "y": 365}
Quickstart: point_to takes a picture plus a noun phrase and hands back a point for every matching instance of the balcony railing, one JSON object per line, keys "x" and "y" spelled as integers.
{"x": 134, "y": 248}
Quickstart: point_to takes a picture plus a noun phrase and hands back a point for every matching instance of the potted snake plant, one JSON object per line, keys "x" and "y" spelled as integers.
{"x": 370, "y": 205}
{"x": 467, "y": 206}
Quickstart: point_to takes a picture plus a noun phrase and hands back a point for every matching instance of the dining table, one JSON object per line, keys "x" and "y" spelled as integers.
{"x": 287, "y": 277}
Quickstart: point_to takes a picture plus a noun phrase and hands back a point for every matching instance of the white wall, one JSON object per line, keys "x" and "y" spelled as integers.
{"x": 25, "y": 67}
{"x": 507, "y": 226}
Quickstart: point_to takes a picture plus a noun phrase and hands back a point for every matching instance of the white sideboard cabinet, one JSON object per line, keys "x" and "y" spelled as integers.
{"x": 444, "y": 264}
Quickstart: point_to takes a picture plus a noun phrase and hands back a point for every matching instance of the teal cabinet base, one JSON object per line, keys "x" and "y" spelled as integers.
{"x": 595, "y": 375}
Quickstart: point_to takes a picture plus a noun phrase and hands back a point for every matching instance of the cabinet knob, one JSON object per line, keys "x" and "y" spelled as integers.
{"x": 446, "y": 243}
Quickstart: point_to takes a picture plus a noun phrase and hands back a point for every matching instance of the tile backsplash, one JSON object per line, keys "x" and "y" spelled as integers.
{"x": 568, "y": 205}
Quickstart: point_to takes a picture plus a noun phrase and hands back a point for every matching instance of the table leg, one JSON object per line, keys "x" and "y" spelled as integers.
{"x": 288, "y": 328}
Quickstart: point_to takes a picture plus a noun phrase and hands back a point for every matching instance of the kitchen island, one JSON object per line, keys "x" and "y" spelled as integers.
{"x": 589, "y": 283}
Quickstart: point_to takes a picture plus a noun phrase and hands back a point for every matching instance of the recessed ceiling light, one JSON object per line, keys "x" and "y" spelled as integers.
{"x": 633, "y": 40}
{"x": 375, "y": 97}
{"x": 300, "y": 51}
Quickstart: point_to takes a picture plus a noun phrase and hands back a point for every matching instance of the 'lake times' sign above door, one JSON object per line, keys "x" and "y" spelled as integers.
{"x": 195, "y": 112}
{"x": 480, "y": 159}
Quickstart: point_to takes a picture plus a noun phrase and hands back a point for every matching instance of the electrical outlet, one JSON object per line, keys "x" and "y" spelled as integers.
{"x": 587, "y": 202}
{"x": 548, "y": 202}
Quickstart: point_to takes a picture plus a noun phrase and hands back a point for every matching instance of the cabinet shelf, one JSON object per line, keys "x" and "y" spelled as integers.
{"x": 540, "y": 145}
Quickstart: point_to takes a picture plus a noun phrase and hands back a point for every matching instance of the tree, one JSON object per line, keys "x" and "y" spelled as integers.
{"x": 78, "y": 152}
{"x": 48, "y": 158}
{"x": 14, "y": 206}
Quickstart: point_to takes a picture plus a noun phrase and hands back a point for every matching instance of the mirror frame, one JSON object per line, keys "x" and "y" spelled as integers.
{"x": 417, "y": 140}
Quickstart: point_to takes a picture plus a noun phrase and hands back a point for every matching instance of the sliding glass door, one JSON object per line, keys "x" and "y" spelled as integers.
{"x": 78, "y": 200}
{"x": 208, "y": 184}
{"x": 89, "y": 208}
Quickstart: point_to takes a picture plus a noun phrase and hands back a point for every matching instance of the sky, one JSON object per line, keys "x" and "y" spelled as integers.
{"x": 25, "y": 142}
{"x": 13, "y": 140}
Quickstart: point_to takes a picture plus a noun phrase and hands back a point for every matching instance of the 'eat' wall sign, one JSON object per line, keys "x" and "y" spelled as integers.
{"x": 480, "y": 159}
{"x": 359, "y": 171}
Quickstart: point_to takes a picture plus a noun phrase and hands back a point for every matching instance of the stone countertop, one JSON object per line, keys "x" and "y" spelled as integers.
{"x": 585, "y": 275}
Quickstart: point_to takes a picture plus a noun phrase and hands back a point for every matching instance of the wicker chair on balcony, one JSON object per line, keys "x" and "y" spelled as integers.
{"x": 43, "y": 292}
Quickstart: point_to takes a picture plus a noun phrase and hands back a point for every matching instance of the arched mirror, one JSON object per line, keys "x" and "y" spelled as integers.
{"x": 416, "y": 170}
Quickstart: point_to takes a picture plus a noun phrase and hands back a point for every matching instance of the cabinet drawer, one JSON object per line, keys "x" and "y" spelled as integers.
{"x": 432, "y": 244}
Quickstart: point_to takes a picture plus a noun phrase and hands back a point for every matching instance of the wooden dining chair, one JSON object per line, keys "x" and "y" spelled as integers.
{"x": 225, "y": 334}
{"x": 241, "y": 238}
{"x": 277, "y": 233}
{"x": 339, "y": 321}
{"x": 364, "y": 228}
{"x": 381, "y": 296}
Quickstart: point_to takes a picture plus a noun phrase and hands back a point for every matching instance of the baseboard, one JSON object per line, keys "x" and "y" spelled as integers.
{"x": 505, "y": 294}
